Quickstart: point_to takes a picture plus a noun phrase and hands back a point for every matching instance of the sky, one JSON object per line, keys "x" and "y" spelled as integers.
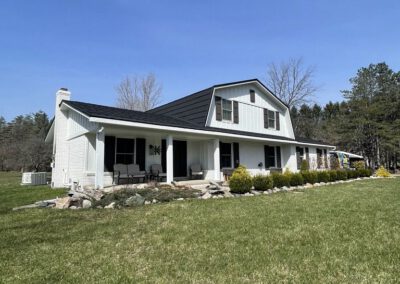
{"x": 90, "y": 46}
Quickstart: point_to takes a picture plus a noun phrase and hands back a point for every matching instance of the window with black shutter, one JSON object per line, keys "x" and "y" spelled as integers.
{"x": 225, "y": 151}
{"x": 269, "y": 153}
{"x": 125, "y": 151}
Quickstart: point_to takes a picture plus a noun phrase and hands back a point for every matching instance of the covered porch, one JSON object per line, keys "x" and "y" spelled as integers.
{"x": 176, "y": 152}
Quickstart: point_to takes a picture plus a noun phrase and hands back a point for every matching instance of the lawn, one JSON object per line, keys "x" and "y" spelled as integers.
{"x": 339, "y": 233}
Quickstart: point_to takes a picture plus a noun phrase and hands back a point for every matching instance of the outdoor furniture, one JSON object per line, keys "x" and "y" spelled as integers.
{"x": 196, "y": 171}
{"x": 157, "y": 172}
{"x": 120, "y": 171}
{"x": 135, "y": 172}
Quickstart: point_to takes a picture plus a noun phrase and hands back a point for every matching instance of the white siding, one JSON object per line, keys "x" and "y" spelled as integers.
{"x": 251, "y": 115}
{"x": 79, "y": 125}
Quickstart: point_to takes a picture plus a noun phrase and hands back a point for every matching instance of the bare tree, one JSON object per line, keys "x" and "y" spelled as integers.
{"x": 139, "y": 93}
{"x": 292, "y": 82}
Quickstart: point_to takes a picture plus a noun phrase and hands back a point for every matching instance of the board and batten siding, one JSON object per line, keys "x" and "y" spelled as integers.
{"x": 251, "y": 115}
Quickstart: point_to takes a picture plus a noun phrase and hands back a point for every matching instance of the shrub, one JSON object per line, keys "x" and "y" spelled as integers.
{"x": 353, "y": 174}
{"x": 323, "y": 176}
{"x": 262, "y": 182}
{"x": 240, "y": 181}
{"x": 296, "y": 179}
{"x": 341, "y": 174}
{"x": 310, "y": 177}
{"x": 359, "y": 165}
{"x": 280, "y": 180}
{"x": 304, "y": 166}
{"x": 382, "y": 172}
{"x": 332, "y": 175}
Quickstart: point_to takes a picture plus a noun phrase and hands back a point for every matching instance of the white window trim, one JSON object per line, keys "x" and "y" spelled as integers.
{"x": 222, "y": 110}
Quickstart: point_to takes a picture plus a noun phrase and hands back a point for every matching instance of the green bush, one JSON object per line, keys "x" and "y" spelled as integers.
{"x": 240, "y": 181}
{"x": 359, "y": 165}
{"x": 341, "y": 174}
{"x": 280, "y": 180}
{"x": 353, "y": 174}
{"x": 310, "y": 177}
{"x": 296, "y": 179}
{"x": 262, "y": 182}
{"x": 332, "y": 175}
{"x": 323, "y": 176}
{"x": 304, "y": 166}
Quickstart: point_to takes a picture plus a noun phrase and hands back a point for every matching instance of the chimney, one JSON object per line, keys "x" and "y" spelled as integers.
{"x": 62, "y": 94}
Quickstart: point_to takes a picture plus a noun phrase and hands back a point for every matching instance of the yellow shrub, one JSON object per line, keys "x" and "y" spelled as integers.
{"x": 382, "y": 172}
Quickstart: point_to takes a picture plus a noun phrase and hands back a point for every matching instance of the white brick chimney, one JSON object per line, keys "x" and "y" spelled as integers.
{"x": 60, "y": 176}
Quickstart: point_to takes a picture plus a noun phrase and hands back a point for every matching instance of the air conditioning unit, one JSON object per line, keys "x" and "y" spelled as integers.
{"x": 34, "y": 178}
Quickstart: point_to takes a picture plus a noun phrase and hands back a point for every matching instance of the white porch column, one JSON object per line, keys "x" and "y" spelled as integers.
{"x": 99, "y": 175}
{"x": 170, "y": 159}
{"x": 217, "y": 170}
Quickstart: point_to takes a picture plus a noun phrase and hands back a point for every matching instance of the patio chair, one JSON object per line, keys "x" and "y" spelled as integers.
{"x": 157, "y": 172}
{"x": 196, "y": 171}
{"x": 135, "y": 173}
{"x": 120, "y": 171}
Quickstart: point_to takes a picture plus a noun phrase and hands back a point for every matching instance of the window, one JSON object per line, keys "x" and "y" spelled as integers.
{"x": 225, "y": 155}
{"x": 252, "y": 96}
{"x": 125, "y": 151}
{"x": 269, "y": 152}
{"x": 271, "y": 119}
{"x": 226, "y": 110}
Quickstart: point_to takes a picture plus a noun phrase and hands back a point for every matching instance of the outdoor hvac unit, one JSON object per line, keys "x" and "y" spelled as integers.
{"x": 34, "y": 178}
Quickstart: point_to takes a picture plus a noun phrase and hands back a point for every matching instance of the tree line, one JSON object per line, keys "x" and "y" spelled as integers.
{"x": 366, "y": 122}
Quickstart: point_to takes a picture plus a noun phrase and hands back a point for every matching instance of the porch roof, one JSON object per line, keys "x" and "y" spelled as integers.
{"x": 118, "y": 114}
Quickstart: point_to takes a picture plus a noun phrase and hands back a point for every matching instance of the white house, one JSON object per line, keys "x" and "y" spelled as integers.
{"x": 219, "y": 128}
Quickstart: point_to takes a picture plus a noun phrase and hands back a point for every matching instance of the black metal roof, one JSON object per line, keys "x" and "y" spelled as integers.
{"x": 195, "y": 106}
{"x": 188, "y": 112}
{"x": 99, "y": 111}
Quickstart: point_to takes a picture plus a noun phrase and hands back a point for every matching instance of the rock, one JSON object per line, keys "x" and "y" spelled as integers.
{"x": 270, "y": 191}
{"x": 87, "y": 193}
{"x": 308, "y": 185}
{"x": 41, "y": 204}
{"x": 227, "y": 194}
{"x": 154, "y": 201}
{"x": 147, "y": 202}
{"x": 86, "y": 204}
{"x": 207, "y": 195}
{"x": 266, "y": 192}
{"x": 216, "y": 185}
{"x": 135, "y": 200}
{"x": 142, "y": 186}
{"x": 255, "y": 192}
{"x": 248, "y": 194}
{"x": 300, "y": 187}
{"x": 216, "y": 192}
{"x": 285, "y": 188}
{"x": 25, "y": 207}
{"x": 73, "y": 207}
{"x": 322, "y": 183}
{"x": 99, "y": 207}
{"x": 180, "y": 199}
{"x": 110, "y": 206}
{"x": 317, "y": 184}
{"x": 63, "y": 203}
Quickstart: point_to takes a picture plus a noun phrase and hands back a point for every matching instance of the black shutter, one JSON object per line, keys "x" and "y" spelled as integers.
{"x": 164, "y": 155}
{"x": 278, "y": 125}
{"x": 278, "y": 157}
{"x": 235, "y": 112}
{"x": 252, "y": 96}
{"x": 141, "y": 153}
{"x": 326, "y": 158}
{"x": 220, "y": 155}
{"x": 236, "y": 160}
{"x": 109, "y": 153}
{"x": 218, "y": 108}
{"x": 265, "y": 118}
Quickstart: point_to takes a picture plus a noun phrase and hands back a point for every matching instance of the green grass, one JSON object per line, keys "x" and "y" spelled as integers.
{"x": 342, "y": 233}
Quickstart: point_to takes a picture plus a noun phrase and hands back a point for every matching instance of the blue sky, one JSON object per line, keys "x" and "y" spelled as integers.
{"x": 89, "y": 46}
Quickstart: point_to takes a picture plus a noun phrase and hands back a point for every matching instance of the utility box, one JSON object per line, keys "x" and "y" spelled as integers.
{"x": 34, "y": 178}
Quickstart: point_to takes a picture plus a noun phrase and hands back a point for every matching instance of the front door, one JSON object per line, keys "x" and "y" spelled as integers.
{"x": 180, "y": 158}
